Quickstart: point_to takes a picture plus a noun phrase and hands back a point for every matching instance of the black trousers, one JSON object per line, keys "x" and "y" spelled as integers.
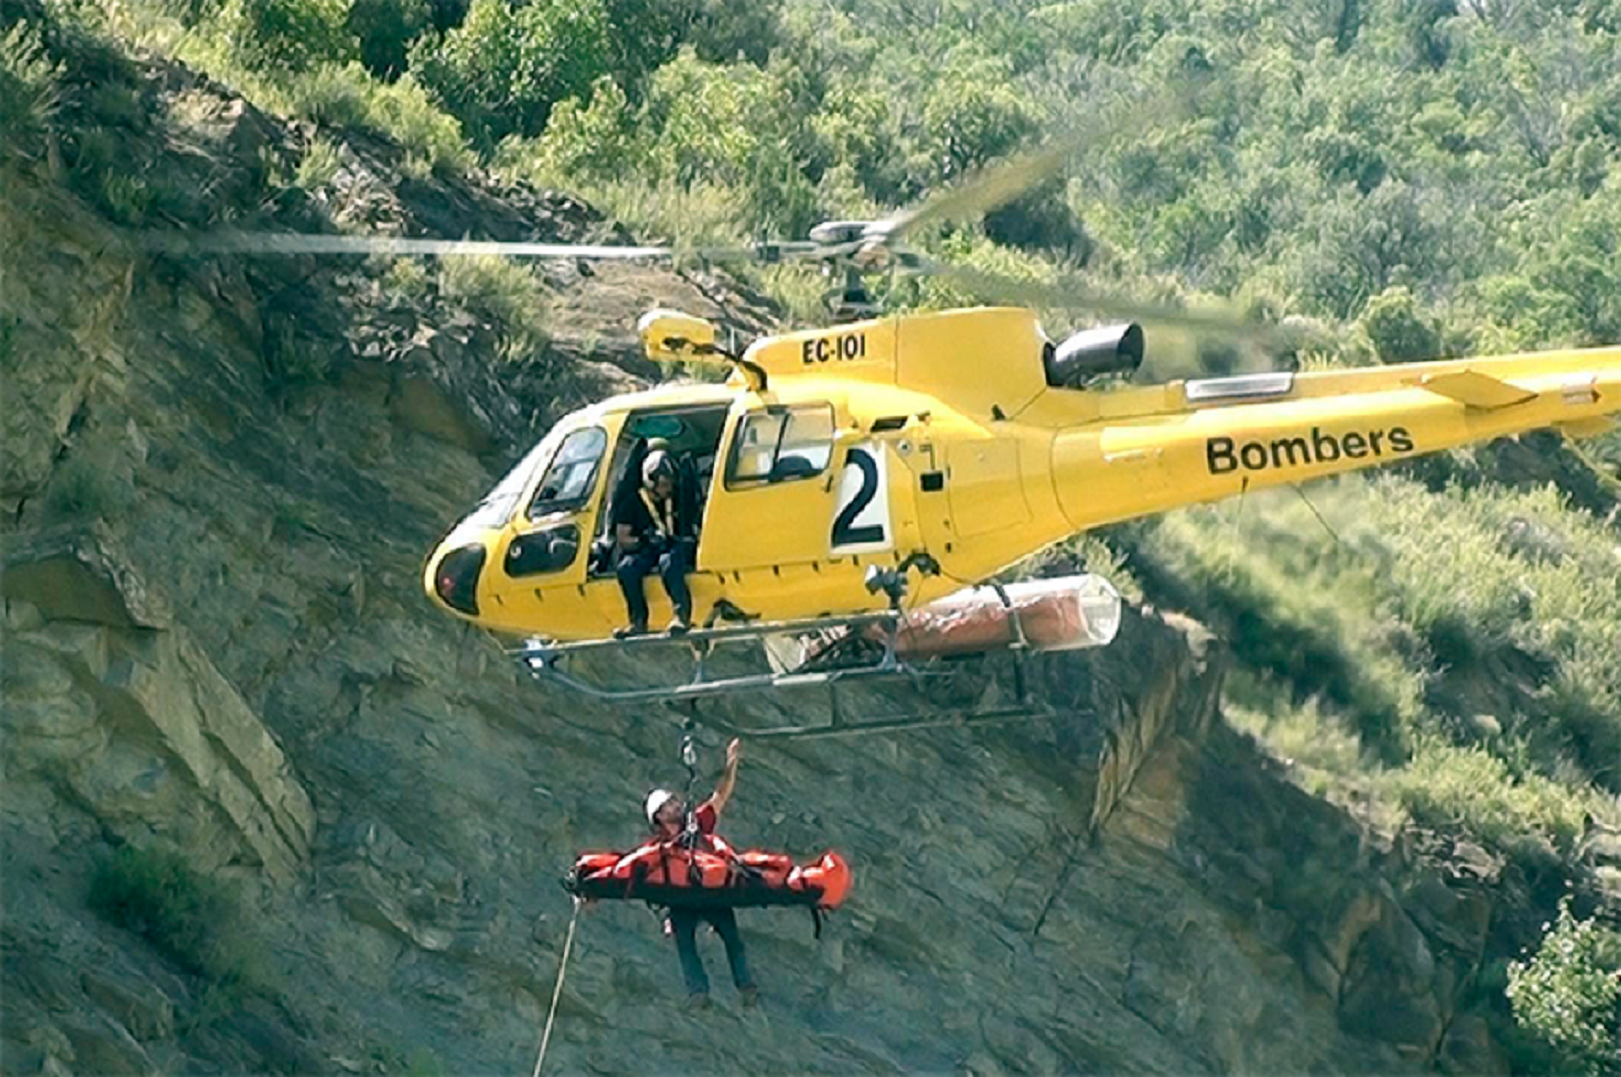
{"x": 672, "y": 561}
{"x": 684, "y": 926}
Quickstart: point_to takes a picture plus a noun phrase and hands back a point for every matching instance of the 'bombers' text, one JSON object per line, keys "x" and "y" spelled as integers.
{"x": 1223, "y": 455}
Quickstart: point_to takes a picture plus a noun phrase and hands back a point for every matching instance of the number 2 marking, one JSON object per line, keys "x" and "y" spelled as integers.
{"x": 862, "y": 521}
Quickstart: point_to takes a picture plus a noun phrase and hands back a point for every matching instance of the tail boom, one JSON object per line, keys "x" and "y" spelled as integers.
{"x": 1106, "y": 473}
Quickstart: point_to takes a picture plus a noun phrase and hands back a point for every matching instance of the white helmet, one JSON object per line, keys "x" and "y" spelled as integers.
{"x": 657, "y": 463}
{"x": 655, "y": 801}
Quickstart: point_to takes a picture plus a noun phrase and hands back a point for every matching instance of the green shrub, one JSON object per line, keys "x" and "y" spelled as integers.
{"x": 1297, "y": 604}
{"x": 1302, "y": 734}
{"x": 730, "y": 126}
{"x": 1565, "y": 994}
{"x": 703, "y": 214}
{"x": 1482, "y": 572}
{"x": 1472, "y": 790}
{"x": 406, "y": 282}
{"x": 584, "y": 142}
{"x": 346, "y": 96}
{"x": 431, "y": 138}
{"x": 194, "y": 917}
{"x": 1399, "y": 332}
{"x": 331, "y": 95}
{"x": 974, "y": 114}
{"x": 319, "y": 166}
{"x": 385, "y": 30}
{"x": 721, "y": 31}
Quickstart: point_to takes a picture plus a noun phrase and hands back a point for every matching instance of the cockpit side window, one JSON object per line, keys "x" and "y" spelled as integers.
{"x": 780, "y": 444}
{"x": 572, "y": 474}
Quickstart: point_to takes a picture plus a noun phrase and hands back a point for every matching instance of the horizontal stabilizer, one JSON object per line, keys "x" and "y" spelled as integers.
{"x": 1476, "y": 390}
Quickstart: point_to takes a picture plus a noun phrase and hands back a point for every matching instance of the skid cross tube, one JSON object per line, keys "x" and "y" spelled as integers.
{"x": 730, "y": 634}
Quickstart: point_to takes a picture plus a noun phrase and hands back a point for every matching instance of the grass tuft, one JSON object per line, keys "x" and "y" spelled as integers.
{"x": 507, "y": 293}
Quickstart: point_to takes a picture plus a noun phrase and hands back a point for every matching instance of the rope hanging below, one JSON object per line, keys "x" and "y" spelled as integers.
{"x": 557, "y": 992}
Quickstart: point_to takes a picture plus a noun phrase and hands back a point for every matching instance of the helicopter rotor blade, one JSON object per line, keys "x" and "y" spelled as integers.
{"x": 290, "y": 243}
{"x": 766, "y": 252}
{"x": 981, "y": 193}
{"x": 286, "y": 243}
{"x": 997, "y": 184}
{"x": 1071, "y": 293}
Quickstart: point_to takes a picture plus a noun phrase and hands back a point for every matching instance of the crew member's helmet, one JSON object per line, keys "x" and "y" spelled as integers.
{"x": 656, "y": 801}
{"x": 658, "y": 464}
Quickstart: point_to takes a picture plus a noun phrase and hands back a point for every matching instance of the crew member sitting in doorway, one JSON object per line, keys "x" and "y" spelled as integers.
{"x": 653, "y": 533}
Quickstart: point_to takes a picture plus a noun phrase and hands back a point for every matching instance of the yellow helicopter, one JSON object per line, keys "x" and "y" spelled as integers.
{"x": 847, "y": 475}
{"x": 945, "y": 447}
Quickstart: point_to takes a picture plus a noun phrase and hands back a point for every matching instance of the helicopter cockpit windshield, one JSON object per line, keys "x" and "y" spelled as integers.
{"x": 496, "y": 507}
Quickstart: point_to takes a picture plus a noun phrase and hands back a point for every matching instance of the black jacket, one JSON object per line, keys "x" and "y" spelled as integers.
{"x": 631, "y": 509}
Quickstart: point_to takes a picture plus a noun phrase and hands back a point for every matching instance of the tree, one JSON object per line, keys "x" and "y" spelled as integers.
{"x": 1566, "y": 993}
{"x": 1400, "y": 334}
{"x": 385, "y": 29}
{"x": 974, "y": 114}
{"x": 590, "y": 141}
{"x": 501, "y": 71}
{"x": 287, "y": 34}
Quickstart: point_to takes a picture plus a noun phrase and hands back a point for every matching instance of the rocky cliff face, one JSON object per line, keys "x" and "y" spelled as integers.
{"x": 215, "y": 642}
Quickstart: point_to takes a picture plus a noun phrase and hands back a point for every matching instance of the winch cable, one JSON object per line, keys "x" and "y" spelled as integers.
{"x": 689, "y": 759}
{"x": 557, "y": 991}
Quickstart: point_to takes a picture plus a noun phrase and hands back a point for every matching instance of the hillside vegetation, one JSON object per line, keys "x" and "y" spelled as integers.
{"x": 1413, "y": 178}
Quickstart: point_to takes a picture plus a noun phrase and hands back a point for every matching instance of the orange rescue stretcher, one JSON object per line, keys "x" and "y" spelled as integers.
{"x": 670, "y": 874}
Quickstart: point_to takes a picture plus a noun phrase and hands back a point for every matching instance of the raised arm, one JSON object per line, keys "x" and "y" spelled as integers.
{"x": 723, "y": 788}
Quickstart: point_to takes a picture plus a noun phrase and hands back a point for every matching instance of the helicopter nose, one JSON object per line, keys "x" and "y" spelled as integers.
{"x": 455, "y": 579}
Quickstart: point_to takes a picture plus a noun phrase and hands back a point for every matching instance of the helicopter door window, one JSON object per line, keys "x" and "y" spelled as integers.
{"x": 572, "y": 476}
{"x": 757, "y": 446}
{"x": 807, "y": 444}
{"x": 782, "y": 444}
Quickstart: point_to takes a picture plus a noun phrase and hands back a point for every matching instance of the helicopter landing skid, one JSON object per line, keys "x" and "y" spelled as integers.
{"x": 1016, "y": 712}
{"x": 548, "y": 661}
{"x": 833, "y": 662}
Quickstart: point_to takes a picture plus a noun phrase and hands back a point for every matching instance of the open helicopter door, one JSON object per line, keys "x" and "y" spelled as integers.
{"x": 691, "y": 434}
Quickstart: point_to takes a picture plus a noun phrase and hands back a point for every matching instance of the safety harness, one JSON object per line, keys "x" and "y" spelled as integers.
{"x": 663, "y": 513}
